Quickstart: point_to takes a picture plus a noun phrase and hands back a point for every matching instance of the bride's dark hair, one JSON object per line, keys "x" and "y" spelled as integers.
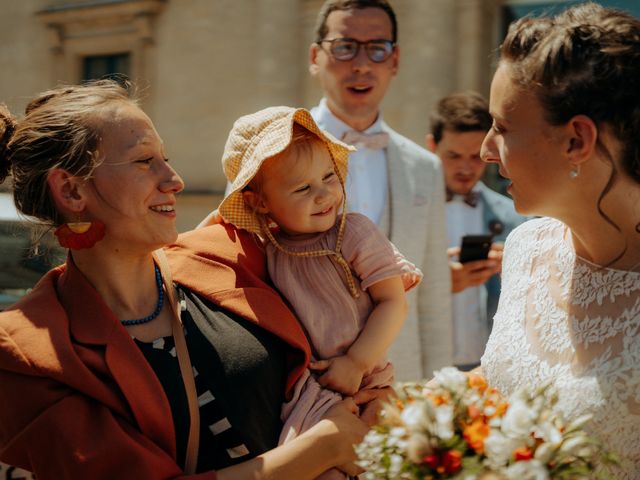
{"x": 586, "y": 61}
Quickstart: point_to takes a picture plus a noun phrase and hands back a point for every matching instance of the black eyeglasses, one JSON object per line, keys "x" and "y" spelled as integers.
{"x": 345, "y": 49}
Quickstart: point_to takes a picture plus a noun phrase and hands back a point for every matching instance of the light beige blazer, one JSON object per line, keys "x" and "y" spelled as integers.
{"x": 414, "y": 220}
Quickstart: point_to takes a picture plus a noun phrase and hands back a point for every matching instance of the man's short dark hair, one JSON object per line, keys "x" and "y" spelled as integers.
{"x": 460, "y": 112}
{"x": 341, "y": 5}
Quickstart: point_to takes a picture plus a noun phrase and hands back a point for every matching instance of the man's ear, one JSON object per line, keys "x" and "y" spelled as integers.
{"x": 430, "y": 142}
{"x": 582, "y": 139}
{"x": 67, "y": 190}
{"x": 395, "y": 58}
{"x": 255, "y": 202}
{"x": 313, "y": 57}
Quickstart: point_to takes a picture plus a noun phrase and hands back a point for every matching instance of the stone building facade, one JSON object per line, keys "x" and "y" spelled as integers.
{"x": 200, "y": 64}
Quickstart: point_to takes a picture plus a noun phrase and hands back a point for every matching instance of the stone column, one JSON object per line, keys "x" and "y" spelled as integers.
{"x": 428, "y": 62}
{"x": 470, "y": 58}
{"x": 477, "y": 38}
{"x": 277, "y": 53}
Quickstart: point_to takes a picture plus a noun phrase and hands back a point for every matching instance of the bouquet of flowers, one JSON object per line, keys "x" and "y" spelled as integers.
{"x": 459, "y": 428}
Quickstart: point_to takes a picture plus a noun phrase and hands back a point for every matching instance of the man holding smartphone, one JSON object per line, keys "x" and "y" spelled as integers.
{"x": 478, "y": 221}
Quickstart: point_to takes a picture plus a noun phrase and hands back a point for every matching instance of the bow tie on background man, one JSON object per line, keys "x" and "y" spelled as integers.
{"x": 472, "y": 198}
{"x": 372, "y": 141}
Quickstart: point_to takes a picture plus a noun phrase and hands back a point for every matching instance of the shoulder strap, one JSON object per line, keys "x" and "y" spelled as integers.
{"x": 191, "y": 460}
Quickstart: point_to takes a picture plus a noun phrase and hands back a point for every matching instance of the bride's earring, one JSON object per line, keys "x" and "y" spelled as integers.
{"x": 574, "y": 172}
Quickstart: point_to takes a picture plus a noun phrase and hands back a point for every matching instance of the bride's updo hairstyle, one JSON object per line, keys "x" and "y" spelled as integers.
{"x": 585, "y": 60}
{"x": 60, "y": 129}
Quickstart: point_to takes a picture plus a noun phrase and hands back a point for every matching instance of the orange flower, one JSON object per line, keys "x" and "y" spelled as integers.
{"x": 501, "y": 409}
{"x": 494, "y": 392}
{"x": 475, "y": 434}
{"x": 478, "y": 382}
{"x": 474, "y": 412}
{"x": 438, "y": 400}
{"x": 522, "y": 453}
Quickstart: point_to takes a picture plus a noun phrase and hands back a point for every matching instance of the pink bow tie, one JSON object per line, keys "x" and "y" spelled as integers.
{"x": 372, "y": 141}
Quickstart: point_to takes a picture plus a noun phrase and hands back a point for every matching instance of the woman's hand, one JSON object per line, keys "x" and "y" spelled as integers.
{"x": 327, "y": 444}
{"x": 370, "y": 401}
{"x": 348, "y": 430}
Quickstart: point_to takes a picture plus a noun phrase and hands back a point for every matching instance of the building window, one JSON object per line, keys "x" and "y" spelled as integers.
{"x": 115, "y": 66}
{"x": 96, "y": 38}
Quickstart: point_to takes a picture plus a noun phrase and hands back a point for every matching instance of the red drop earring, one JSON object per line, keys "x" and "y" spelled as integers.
{"x": 79, "y": 235}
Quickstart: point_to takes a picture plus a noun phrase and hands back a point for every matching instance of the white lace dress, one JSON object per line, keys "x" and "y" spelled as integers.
{"x": 564, "y": 319}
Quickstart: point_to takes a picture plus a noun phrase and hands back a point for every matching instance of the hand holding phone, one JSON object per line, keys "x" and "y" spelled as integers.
{"x": 475, "y": 247}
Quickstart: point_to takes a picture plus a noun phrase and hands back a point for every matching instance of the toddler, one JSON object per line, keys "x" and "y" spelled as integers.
{"x": 338, "y": 271}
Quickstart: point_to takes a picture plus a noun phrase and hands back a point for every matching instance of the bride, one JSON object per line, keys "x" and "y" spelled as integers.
{"x": 566, "y": 106}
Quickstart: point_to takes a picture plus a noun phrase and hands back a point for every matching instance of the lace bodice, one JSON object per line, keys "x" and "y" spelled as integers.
{"x": 564, "y": 319}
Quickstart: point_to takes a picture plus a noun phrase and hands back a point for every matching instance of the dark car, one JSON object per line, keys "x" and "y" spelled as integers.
{"x": 21, "y": 266}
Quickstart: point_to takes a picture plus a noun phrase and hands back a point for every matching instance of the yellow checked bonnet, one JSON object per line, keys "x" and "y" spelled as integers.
{"x": 257, "y": 137}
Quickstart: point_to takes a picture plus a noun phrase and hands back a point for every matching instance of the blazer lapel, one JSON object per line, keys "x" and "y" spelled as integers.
{"x": 399, "y": 194}
{"x": 92, "y": 323}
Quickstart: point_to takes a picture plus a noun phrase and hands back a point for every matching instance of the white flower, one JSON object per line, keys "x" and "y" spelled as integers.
{"x": 499, "y": 448}
{"x": 548, "y": 432}
{"x": 574, "y": 445}
{"x": 544, "y": 452}
{"x": 444, "y": 422}
{"x": 396, "y": 462}
{"x": 451, "y": 378}
{"x": 579, "y": 422}
{"x": 527, "y": 470}
{"x": 519, "y": 420}
{"x": 396, "y": 436}
{"x": 414, "y": 416}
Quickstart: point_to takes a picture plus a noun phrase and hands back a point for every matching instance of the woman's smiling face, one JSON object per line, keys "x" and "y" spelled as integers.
{"x": 133, "y": 189}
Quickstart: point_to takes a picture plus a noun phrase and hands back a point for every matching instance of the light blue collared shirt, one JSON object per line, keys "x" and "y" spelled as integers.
{"x": 468, "y": 307}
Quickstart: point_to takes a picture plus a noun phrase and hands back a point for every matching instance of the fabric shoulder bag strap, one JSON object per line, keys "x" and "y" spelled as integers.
{"x": 191, "y": 459}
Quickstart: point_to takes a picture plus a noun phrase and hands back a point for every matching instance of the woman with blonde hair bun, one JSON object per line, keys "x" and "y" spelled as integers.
{"x": 565, "y": 101}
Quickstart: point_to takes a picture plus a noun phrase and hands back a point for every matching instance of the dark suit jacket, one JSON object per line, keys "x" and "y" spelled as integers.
{"x": 77, "y": 397}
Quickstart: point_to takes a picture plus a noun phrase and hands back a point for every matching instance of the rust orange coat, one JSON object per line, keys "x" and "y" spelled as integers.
{"x": 77, "y": 397}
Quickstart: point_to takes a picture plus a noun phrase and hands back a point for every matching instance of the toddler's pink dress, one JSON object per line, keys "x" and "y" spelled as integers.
{"x": 332, "y": 318}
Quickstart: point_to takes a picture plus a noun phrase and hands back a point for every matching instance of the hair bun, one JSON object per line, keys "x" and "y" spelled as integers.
{"x": 7, "y": 127}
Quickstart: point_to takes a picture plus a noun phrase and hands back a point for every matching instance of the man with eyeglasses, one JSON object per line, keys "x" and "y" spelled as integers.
{"x": 391, "y": 180}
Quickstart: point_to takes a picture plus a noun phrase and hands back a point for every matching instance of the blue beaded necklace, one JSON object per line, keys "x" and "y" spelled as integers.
{"x": 158, "y": 309}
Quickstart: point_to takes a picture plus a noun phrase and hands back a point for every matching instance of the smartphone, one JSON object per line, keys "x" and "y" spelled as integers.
{"x": 475, "y": 247}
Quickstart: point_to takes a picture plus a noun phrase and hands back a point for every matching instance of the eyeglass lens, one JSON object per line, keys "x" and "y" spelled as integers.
{"x": 346, "y": 49}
